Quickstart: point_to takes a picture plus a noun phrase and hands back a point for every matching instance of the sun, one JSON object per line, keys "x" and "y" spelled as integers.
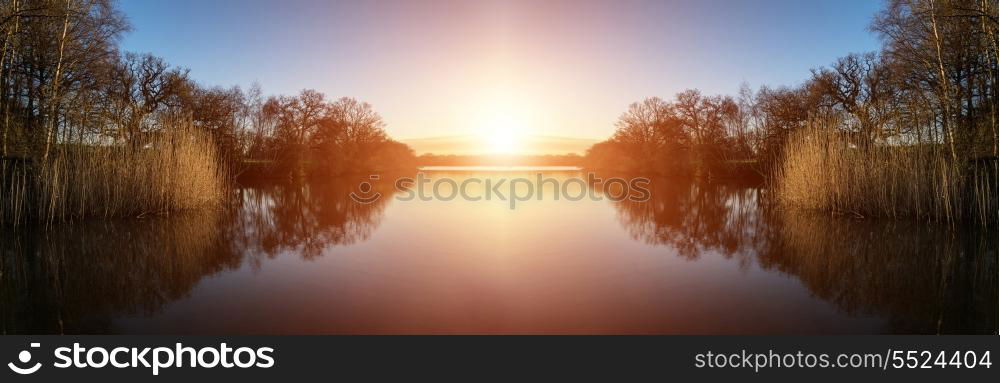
{"x": 503, "y": 134}
{"x": 503, "y": 121}
{"x": 502, "y": 142}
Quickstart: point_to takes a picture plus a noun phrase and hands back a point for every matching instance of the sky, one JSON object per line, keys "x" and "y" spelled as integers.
{"x": 476, "y": 68}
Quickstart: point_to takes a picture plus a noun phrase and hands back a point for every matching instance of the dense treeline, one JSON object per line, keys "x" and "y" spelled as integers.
{"x": 909, "y": 130}
{"x": 76, "y": 113}
{"x": 309, "y": 134}
{"x": 63, "y": 81}
{"x": 692, "y": 133}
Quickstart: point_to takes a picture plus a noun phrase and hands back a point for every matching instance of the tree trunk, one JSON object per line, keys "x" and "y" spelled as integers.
{"x": 5, "y": 75}
{"x": 54, "y": 99}
{"x": 945, "y": 89}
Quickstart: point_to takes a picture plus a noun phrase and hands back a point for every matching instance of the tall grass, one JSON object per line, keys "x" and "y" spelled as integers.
{"x": 175, "y": 169}
{"x": 821, "y": 170}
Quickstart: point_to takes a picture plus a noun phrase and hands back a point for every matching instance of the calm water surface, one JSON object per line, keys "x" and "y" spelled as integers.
{"x": 304, "y": 259}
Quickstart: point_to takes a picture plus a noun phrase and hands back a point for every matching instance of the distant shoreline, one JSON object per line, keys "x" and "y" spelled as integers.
{"x": 488, "y": 168}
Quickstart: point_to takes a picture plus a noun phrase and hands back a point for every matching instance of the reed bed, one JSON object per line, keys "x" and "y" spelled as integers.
{"x": 174, "y": 170}
{"x": 822, "y": 171}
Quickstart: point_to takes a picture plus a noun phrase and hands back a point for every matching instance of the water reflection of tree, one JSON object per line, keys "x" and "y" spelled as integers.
{"x": 694, "y": 217}
{"x": 306, "y": 218}
{"x": 76, "y": 278}
{"x": 73, "y": 277}
{"x": 923, "y": 278}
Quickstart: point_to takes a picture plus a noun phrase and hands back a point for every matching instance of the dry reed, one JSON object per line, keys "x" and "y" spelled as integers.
{"x": 821, "y": 170}
{"x": 175, "y": 169}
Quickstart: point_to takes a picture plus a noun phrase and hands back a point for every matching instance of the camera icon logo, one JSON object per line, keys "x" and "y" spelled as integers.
{"x": 24, "y": 357}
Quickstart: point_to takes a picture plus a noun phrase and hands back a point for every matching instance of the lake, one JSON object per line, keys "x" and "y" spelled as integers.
{"x": 695, "y": 258}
